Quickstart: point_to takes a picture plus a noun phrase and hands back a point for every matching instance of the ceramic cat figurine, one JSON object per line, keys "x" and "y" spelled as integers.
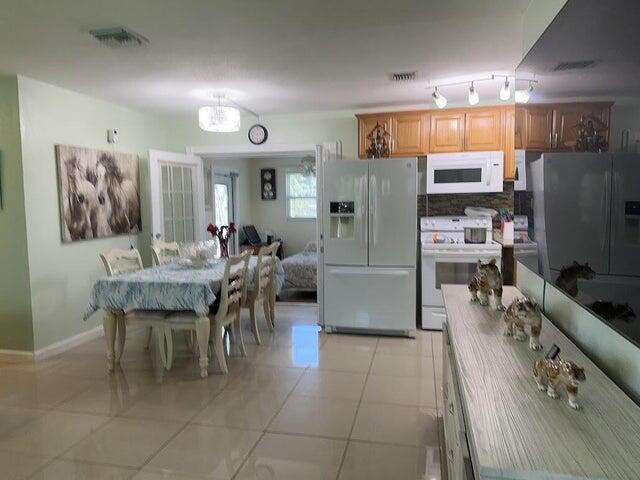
{"x": 524, "y": 312}
{"x": 487, "y": 279}
{"x": 550, "y": 374}
{"x": 568, "y": 278}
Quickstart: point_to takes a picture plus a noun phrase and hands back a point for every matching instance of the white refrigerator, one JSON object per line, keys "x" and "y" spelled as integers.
{"x": 369, "y": 240}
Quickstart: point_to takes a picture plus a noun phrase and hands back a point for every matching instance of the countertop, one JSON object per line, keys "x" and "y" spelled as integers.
{"x": 517, "y": 432}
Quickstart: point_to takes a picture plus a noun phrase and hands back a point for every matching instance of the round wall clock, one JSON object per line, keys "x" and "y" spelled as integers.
{"x": 258, "y": 134}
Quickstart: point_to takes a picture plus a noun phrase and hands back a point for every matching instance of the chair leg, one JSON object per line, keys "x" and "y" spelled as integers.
{"x": 147, "y": 342}
{"x": 109, "y": 325}
{"x": 168, "y": 338}
{"x": 254, "y": 322}
{"x": 272, "y": 307}
{"x": 203, "y": 329}
{"x": 121, "y": 336}
{"x": 160, "y": 339}
{"x": 267, "y": 312}
{"x": 239, "y": 339}
{"x": 218, "y": 347}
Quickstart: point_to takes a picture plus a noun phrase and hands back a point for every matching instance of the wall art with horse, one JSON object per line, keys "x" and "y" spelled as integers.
{"x": 99, "y": 193}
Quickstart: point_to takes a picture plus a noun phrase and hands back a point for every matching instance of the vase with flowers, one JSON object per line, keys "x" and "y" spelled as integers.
{"x": 223, "y": 233}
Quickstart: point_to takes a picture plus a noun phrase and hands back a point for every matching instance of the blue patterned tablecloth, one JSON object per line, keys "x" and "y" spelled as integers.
{"x": 170, "y": 287}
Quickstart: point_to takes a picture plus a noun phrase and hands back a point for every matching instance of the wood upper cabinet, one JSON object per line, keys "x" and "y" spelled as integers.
{"x": 410, "y": 133}
{"x": 510, "y": 140}
{"x": 447, "y": 132}
{"x": 538, "y": 127}
{"x": 566, "y": 119}
{"x": 366, "y": 123}
{"x": 483, "y": 129}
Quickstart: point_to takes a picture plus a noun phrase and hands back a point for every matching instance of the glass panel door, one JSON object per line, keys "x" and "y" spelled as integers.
{"x": 178, "y": 199}
{"x": 223, "y": 202}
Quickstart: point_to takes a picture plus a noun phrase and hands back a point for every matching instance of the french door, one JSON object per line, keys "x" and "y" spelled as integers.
{"x": 224, "y": 201}
{"x": 177, "y": 197}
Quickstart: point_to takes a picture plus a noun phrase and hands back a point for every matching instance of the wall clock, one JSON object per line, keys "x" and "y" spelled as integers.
{"x": 268, "y": 183}
{"x": 258, "y": 134}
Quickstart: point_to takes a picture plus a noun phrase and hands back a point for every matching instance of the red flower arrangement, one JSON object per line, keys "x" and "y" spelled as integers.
{"x": 223, "y": 233}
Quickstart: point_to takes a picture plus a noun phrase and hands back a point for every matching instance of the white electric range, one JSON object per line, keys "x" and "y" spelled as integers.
{"x": 446, "y": 258}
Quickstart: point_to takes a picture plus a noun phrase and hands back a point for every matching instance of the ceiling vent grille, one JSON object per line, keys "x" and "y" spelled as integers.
{"x": 403, "y": 76}
{"x": 119, "y": 37}
{"x": 576, "y": 65}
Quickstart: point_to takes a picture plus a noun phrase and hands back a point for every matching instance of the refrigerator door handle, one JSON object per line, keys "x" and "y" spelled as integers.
{"x": 363, "y": 204}
{"x": 606, "y": 210}
{"x": 389, "y": 272}
{"x": 373, "y": 196}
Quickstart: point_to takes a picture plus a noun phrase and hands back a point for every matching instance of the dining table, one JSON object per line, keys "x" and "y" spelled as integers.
{"x": 158, "y": 291}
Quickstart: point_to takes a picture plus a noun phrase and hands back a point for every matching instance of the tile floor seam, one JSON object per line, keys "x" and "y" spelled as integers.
{"x": 134, "y": 470}
{"x": 264, "y": 432}
{"x": 355, "y": 418}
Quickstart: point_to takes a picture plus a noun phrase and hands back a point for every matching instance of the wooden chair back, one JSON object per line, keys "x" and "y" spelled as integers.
{"x": 164, "y": 252}
{"x": 117, "y": 261}
{"x": 265, "y": 269}
{"x": 232, "y": 288}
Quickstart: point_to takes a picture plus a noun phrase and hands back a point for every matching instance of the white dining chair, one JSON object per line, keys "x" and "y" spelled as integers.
{"x": 117, "y": 262}
{"x": 164, "y": 252}
{"x": 230, "y": 296}
{"x": 262, "y": 288}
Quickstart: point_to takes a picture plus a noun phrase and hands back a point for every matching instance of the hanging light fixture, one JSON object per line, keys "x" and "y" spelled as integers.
{"x": 505, "y": 91}
{"x": 522, "y": 96}
{"x": 219, "y": 118}
{"x": 474, "y": 98}
{"x": 440, "y": 100}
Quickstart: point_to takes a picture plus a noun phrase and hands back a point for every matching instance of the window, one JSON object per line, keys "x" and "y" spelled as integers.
{"x": 301, "y": 195}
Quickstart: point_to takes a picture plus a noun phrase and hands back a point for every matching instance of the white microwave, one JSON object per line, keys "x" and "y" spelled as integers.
{"x": 465, "y": 172}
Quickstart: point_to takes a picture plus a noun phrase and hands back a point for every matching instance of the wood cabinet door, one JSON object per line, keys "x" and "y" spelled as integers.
{"x": 483, "y": 129}
{"x": 410, "y": 134}
{"x": 447, "y": 132}
{"x": 566, "y": 118}
{"x": 509, "y": 143}
{"x": 367, "y": 123}
{"x": 538, "y": 124}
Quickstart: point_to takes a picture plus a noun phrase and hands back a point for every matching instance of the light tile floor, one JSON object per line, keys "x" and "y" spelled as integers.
{"x": 303, "y": 405}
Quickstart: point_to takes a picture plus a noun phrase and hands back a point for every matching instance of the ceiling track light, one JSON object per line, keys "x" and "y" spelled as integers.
{"x": 474, "y": 98}
{"x": 523, "y": 96}
{"x": 505, "y": 91}
{"x": 440, "y": 100}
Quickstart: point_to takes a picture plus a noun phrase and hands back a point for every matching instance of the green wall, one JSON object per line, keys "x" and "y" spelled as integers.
{"x": 62, "y": 274}
{"x": 15, "y": 306}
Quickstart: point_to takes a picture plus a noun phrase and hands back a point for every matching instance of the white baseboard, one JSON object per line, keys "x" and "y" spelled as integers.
{"x": 68, "y": 343}
{"x": 25, "y": 354}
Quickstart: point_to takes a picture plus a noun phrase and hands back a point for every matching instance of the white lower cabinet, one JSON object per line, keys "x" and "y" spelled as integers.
{"x": 457, "y": 451}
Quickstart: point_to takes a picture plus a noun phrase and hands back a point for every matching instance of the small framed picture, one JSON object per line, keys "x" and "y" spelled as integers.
{"x": 268, "y": 183}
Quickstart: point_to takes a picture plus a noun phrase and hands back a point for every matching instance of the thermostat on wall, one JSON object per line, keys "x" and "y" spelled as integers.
{"x": 112, "y": 135}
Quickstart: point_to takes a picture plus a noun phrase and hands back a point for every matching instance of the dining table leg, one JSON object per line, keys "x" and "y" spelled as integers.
{"x": 203, "y": 329}
{"x": 121, "y": 336}
{"x": 109, "y": 325}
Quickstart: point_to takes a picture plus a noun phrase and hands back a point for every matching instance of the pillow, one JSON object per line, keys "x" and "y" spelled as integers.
{"x": 310, "y": 248}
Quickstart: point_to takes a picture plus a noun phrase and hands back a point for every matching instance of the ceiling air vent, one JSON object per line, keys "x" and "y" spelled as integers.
{"x": 577, "y": 65}
{"x": 119, "y": 37}
{"x": 403, "y": 76}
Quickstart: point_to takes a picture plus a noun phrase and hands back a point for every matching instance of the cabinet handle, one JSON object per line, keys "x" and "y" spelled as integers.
{"x": 550, "y": 140}
{"x": 555, "y": 139}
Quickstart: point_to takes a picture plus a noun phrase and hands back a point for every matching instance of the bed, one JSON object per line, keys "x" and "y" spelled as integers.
{"x": 301, "y": 270}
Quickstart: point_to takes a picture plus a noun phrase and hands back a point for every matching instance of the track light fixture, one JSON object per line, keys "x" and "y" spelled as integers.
{"x": 440, "y": 100}
{"x": 505, "y": 91}
{"x": 474, "y": 98}
{"x": 523, "y": 96}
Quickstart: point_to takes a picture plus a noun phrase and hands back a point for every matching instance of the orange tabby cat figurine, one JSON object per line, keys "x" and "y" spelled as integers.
{"x": 487, "y": 279}
{"x": 524, "y": 312}
{"x": 549, "y": 374}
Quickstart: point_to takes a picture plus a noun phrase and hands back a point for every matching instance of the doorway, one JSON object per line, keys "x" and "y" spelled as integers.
{"x": 224, "y": 200}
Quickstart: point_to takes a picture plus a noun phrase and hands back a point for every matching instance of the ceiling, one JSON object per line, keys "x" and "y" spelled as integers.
{"x": 277, "y": 56}
{"x": 606, "y": 32}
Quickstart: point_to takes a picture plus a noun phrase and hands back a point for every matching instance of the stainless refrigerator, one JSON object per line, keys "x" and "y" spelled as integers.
{"x": 369, "y": 239}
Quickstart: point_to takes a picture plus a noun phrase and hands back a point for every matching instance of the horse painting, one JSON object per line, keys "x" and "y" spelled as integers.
{"x": 99, "y": 193}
